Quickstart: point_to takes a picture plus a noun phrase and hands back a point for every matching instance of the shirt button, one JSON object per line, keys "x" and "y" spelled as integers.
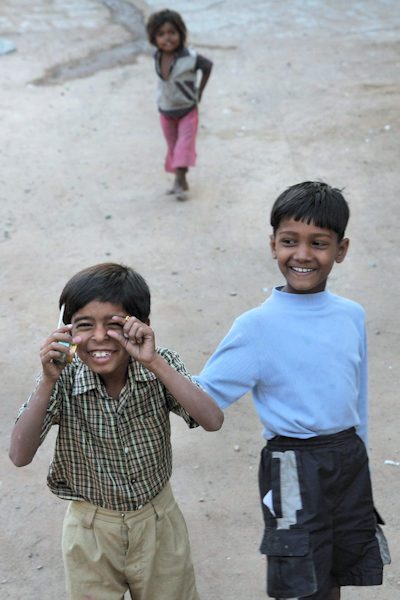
{"x": 126, "y": 450}
{"x": 133, "y": 480}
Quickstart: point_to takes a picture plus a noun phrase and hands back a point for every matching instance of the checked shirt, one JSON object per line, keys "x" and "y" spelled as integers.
{"x": 114, "y": 454}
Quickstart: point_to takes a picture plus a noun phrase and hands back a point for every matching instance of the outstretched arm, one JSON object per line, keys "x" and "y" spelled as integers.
{"x": 138, "y": 340}
{"x": 25, "y": 437}
{"x": 204, "y": 78}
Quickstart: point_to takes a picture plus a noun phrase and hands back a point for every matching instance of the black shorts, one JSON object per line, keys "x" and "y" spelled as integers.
{"x": 320, "y": 525}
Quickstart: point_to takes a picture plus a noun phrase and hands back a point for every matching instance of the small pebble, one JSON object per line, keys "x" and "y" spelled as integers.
{"x": 236, "y": 448}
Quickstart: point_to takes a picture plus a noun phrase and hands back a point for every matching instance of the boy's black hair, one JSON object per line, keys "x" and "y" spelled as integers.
{"x": 107, "y": 282}
{"x": 159, "y": 19}
{"x": 312, "y": 201}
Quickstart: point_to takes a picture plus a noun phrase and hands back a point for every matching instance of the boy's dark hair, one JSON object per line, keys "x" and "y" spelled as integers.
{"x": 312, "y": 201}
{"x": 159, "y": 19}
{"x": 107, "y": 282}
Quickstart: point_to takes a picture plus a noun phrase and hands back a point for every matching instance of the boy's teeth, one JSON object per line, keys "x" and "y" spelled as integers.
{"x": 100, "y": 354}
{"x": 302, "y": 270}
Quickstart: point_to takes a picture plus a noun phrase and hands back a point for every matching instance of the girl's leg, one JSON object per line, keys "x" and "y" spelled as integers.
{"x": 180, "y": 178}
{"x": 169, "y": 126}
{"x": 185, "y": 150}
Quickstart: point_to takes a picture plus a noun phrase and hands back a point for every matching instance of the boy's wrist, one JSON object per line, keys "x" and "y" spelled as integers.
{"x": 47, "y": 382}
{"x": 155, "y": 364}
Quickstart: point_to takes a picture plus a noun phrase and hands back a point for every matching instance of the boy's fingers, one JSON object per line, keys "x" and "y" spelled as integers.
{"x": 64, "y": 328}
{"x": 135, "y": 333}
{"x": 59, "y": 335}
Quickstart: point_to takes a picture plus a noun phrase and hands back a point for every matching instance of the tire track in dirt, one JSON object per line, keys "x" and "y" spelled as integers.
{"x": 132, "y": 20}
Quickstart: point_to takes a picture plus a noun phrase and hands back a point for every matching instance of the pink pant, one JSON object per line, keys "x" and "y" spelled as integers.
{"x": 180, "y": 134}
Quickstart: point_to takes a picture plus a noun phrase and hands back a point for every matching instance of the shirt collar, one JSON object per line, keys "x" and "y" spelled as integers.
{"x": 182, "y": 51}
{"x": 86, "y": 379}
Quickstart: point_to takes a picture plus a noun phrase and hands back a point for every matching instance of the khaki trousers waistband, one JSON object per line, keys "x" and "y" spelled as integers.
{"x": 156, "y": 505}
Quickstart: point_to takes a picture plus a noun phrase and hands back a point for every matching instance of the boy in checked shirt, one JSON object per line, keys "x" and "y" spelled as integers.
{"x": 112, "y": 461}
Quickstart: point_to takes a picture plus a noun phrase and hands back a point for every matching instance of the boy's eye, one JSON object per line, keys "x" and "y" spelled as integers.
{"x": 83, "y": 325}
{"x": 114, "y": 325}
{"x": 288, "y": 241}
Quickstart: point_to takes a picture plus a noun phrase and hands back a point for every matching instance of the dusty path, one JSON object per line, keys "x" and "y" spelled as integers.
{"x": 299, "y": 91}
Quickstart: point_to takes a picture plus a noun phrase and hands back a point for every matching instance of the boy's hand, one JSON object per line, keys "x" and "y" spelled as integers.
{"x": 52, "y": 352}
{"x": 137, "y": 338}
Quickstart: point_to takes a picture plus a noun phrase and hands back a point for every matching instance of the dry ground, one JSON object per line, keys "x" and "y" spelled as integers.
{"x": 300, "y": 90}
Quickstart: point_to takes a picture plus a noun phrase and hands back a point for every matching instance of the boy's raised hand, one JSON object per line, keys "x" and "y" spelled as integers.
{"x": 53, "y": 353}
{"x": 137, "y": 338}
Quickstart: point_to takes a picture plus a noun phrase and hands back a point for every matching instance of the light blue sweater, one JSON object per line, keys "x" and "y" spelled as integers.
{"x": 303, "y": 357}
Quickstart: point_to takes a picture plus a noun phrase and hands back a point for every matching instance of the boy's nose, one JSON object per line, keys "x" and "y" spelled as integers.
{"x": 100, "y": 333}
{"x": 303, "y": 252}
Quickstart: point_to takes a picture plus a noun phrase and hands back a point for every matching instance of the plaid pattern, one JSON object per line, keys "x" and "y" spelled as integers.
{"x": 116, "y": 455}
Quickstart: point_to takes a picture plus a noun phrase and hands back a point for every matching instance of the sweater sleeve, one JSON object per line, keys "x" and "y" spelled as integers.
{"x": 233, "y": 369}
{"x": 203, "y": 64}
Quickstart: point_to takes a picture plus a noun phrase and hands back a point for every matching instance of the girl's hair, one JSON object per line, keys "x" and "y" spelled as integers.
{"x": 159, "y": 19}
{"x": 107, "y": 282}
{"x": 312, "y": 201}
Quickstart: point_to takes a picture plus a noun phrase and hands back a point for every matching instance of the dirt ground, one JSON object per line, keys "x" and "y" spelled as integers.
{"x": 300, "y": 90}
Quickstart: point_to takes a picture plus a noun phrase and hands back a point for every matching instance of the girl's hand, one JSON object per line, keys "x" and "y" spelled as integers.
{"x": 54, "y": 355}
{"x": 137, "y": 338}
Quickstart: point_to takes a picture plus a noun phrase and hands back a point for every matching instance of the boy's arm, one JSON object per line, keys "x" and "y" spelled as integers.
{"x": 362, "y": 405}
{"x": 25, "y": 437}
{"x": 138, "y": 340}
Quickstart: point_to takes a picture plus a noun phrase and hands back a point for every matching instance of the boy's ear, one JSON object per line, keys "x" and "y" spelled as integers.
{"x": 148, "y": 322}
{"x": 272, "y": 243}
{"x": 342, "y": 250}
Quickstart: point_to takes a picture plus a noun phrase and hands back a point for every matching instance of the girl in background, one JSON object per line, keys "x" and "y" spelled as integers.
{"x": 178, "y": 93}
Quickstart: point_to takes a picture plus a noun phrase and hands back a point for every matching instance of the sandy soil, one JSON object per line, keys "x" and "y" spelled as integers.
{"x": 299, "y": 91}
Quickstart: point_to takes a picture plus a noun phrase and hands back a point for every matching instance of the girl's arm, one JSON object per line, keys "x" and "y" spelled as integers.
{"x": 205, "y": 77}
{"x": 204, "y": 65}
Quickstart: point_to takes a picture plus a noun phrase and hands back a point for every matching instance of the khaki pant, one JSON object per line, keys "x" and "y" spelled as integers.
{"x": 106, "y": 552}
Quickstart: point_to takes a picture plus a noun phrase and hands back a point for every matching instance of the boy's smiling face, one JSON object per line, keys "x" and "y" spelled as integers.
{"x": 306, "y": 254}
{"x": 97, "y": 350}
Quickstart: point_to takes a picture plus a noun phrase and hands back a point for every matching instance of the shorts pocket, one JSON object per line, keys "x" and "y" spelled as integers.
{"x": 291, "y": 570}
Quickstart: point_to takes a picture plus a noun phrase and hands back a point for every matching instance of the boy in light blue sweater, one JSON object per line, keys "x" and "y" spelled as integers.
{"x": 303, "y": 355}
